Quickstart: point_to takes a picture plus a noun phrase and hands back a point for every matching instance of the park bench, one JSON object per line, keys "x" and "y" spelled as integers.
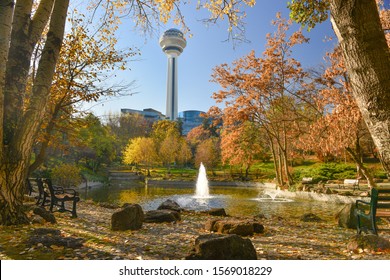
{"x": 43, "y": 198}
{"x": 367, "y": 212}
{"x": 60, "y": 195}
{"x": 307, "y": 180}
{"x": 351, "y": 182}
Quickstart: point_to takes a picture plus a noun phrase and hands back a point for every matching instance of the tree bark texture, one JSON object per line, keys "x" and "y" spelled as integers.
{"x": 367, "y": 57}
{"x": 6, "y": 15}
{"x": 18, "y": 142}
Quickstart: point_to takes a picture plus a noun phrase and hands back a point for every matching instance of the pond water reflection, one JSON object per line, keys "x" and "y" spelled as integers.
{"x": 237, "y": 201}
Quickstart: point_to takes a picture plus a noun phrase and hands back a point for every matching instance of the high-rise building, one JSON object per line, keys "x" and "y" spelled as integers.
{"x": 172, "y": 43}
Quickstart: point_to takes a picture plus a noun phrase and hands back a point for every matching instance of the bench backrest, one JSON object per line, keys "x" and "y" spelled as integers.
{"x": 50, "y": 187}
{"x": 351, "y": 181}
{"x": 41, "y": 187}
{"x": 383, "y": 199}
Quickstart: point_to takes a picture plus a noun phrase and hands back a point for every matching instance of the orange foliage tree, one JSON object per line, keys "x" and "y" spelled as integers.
{"x": 268, "y": 91}
{"x": 240, "y": 145}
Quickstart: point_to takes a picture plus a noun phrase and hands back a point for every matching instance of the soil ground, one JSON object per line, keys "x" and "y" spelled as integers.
{"x": 284, "y": 239}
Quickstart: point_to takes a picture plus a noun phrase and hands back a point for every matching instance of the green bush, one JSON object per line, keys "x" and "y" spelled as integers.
{"x": 327, "y": 171}
{"x": 66, "y": 175}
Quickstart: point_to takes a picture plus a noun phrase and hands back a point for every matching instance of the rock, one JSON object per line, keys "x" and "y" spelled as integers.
{"x": 222, "y": 247}
{"x": 258, "y": 228}
{"x": 130, "y": 217}
{"x": 346, "y": 217}
{"x": 42, "y": 212}
{"x": 368, "y": 242}
{"x": 217, "y": 212}
{"x": 170, "y": 205}
{"x": 242, "y": 228}
{"x": 48, "y": 237}
{"x": 38, "y": 220}
{"x": 310, "y": 217}
{"x": 162, "y": 216}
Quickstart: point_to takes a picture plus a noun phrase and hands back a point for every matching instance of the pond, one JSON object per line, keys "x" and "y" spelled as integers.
{"x": 237, "y": 201}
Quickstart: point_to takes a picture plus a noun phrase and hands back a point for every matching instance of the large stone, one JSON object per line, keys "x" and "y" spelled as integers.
{"x": 310, "y": 217}
{"x": 170, "y": 205}
{"x": 130, "y": 217}
{"x": 46, "y": 215}
{"x": 346, "y": 217}
{"x": 217, "y": 212}
{"x": 222, "y": 247}
{"x": 368, "y": 242}
{"x": 162, "y": 216}
{"x": 243, "y": 228}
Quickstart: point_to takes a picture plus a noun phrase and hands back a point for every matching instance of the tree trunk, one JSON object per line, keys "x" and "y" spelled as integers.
{"x": 276, "y": 166}
{"x": 367, "y": 58}
{"x": 285, "y": 167}
{"x": 6, "y": 12}
{"x": 362, "y": 168}
{"x": 17, "y": 151}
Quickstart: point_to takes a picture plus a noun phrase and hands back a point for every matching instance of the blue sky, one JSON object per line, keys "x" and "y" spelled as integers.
{"x": 205, "y": 50}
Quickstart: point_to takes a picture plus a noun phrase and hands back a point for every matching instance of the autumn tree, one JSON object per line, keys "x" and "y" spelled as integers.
{"x": 197, "y": 135}
{"x": 366, "y": 53}
{"x": 268, "y": 91}
{"x": 84, "y": 65}
{"x": 208, "y": 153}
{"x": 141, "y": 150}
{"x": 240, "y": 145}
{"x": 171, "y": 146}
{"x": 93, "y": 143}
{"x": 338, "y": 128}
{"x": 128, "y": 126}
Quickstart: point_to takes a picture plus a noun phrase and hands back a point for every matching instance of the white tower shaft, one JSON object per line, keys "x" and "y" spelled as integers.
{"x": 172, "y": 89}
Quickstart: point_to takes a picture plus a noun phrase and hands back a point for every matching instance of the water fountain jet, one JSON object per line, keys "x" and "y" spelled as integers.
{"x": 202, "y": 183}
{"x": 272, "y": 196}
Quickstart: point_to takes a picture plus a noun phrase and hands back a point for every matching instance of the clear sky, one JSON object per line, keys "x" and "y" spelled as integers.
{"x": 205, "y": 50}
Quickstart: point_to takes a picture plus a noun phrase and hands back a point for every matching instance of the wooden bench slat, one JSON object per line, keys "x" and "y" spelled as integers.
{"x": 383, "y": 205}
{"x": 383, "y": 214}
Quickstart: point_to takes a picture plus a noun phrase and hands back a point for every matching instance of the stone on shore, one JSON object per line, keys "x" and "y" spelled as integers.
{"x": 231, "y": 226}
{"x": 170, "y": 205}
{"x": 130, "y": 217}
{"x": 222, "y": 247}
{"x": 216, "y": 212}
{"x": 310, "y": 217}
{"x": 162, "y": 216}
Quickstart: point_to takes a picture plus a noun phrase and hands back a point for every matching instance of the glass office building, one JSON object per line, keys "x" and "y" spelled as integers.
{"x": 190, "y": 119}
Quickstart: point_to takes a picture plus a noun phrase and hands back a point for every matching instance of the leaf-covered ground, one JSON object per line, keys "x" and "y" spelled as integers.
{"x": 283, "y": 238}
